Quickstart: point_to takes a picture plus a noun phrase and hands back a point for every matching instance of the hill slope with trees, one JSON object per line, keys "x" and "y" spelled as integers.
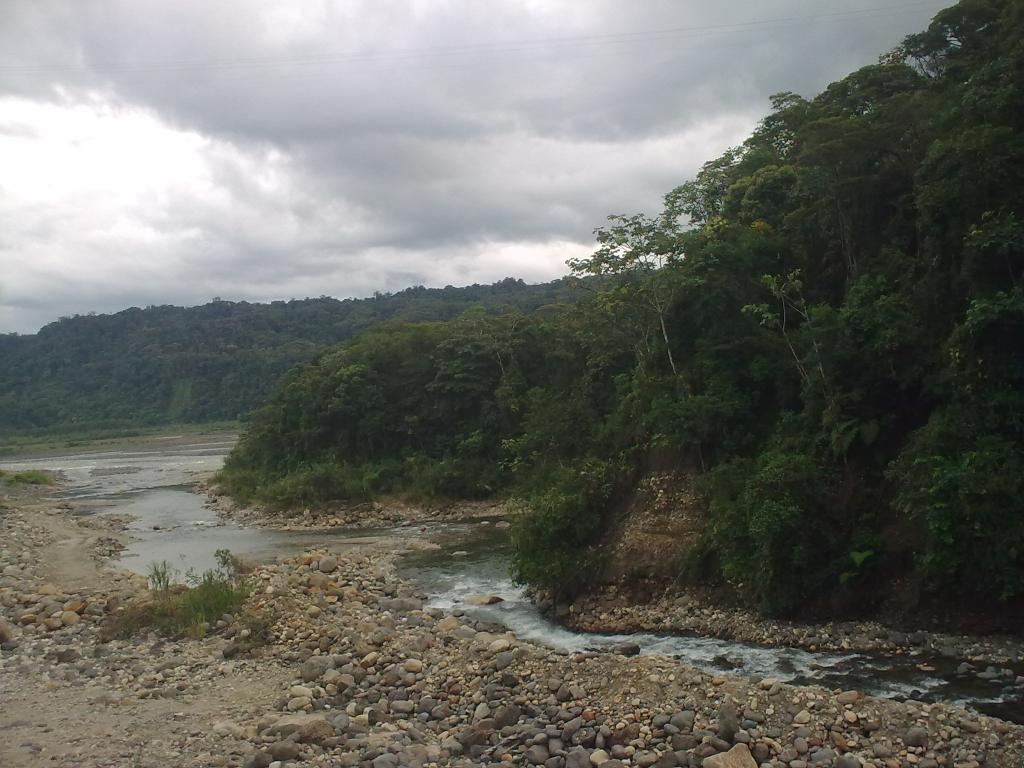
{"x": 827, "y": 324}
{"x": 218, "y": 361}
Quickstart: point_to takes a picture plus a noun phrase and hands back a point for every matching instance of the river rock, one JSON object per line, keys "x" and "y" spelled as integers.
{"x": 228, "y": 728}
{"x": 448, "y": 624}
{"x": 916, "y": 737}
{"x": 314, "y": 668}
{"x": 401, "y": 604}
{"x": 728, "y": 721}
{"x": 577, "y": 758}
{"x": 284, "y": 750}
{"x": 300, "y": 691}
{"x": 309, "y": 729}
{"x": 537, "y": 754}
{"x": 626, "y": 649}
{"x": 483, "y": 600}
{"x": 507, "y": 715}
{"x": 327, "y": 564}
{"x": 257, "y": 760}
{"x": 6, "y": 631}
{"x": 499, "y": 645}
{"x": 737, "y": 757}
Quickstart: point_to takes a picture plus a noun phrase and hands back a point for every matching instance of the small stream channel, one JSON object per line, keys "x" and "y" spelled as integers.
{"x": 151, "y": 482}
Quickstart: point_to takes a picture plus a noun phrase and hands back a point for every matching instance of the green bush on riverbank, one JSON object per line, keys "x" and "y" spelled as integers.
{"x": 176, "y": 610}
{"x": 26, "y": 477}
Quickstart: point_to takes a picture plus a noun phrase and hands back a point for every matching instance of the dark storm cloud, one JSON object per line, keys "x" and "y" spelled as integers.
{"x": 308, "y": 148}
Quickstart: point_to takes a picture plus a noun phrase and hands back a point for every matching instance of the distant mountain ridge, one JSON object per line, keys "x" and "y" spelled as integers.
{"x": 217, "y": 361}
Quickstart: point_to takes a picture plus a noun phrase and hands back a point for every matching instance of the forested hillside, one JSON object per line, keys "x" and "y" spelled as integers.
{"x": 827, "y": 324}
{"x": 218, "y": 361}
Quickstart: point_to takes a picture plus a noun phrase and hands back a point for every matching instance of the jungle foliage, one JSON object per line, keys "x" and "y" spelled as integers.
{"x": 828, "y": 322}
{"x": 90, "y": 374}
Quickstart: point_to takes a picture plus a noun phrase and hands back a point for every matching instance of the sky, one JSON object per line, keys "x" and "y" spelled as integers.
{"x": 173, "y": 151}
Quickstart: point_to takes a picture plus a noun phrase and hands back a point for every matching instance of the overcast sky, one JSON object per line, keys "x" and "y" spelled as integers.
{"x": 156, "y": 152}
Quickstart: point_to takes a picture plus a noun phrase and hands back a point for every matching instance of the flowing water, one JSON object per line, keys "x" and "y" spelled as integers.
{"x": 151, "y": 482}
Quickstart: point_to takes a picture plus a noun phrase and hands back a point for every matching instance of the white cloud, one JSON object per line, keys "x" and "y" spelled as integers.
{"x": 169, "y": 151}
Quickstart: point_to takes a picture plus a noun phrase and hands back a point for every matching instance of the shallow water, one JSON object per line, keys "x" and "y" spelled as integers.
{"x": 475, "y": 560}
{"x": 151, "y": 482}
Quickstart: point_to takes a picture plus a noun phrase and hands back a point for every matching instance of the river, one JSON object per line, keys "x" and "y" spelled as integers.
{"x": 151, "y": 481}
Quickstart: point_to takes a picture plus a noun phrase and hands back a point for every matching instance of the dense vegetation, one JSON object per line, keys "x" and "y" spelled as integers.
{"x": 209, "y": 363}
{"x": 827, "y": 324}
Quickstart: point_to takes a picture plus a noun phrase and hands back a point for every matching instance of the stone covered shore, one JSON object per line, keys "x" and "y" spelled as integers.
{"x": 615, "y": 610}
{"x": 372, "y": 514}
{"x": 357, "y": 671}
{"x": 679, "y": 611}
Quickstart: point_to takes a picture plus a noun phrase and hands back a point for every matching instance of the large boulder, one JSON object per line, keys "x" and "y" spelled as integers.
{"x": 737, "y": 757}
{"x": 315, "y": 667}
{"x": 309, "y": 729}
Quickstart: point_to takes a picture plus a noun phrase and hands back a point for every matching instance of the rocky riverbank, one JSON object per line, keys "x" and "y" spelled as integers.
{"x": 373, "y": 514}
{"x": 617, "y": 610}
{"x": 354, "y": 669}
{"x": 614, "y": 610}
{"x": 413, "y": 686}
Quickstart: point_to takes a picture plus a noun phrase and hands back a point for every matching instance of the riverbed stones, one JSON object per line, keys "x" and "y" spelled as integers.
{"x": 369, "y": 702}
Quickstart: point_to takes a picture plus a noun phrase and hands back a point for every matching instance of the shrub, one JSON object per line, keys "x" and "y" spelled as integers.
{"x": 177, "y": 610}
{"x": 771, "y": 527}
{"x": 553, "y": 533}
{"x": 968, "y": 495}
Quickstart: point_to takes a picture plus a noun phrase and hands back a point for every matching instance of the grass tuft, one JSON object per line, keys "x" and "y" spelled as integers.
{"x": 27, "y": 477}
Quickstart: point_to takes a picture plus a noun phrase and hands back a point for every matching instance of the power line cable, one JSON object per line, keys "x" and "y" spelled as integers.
{"x": 415, "y": 54}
